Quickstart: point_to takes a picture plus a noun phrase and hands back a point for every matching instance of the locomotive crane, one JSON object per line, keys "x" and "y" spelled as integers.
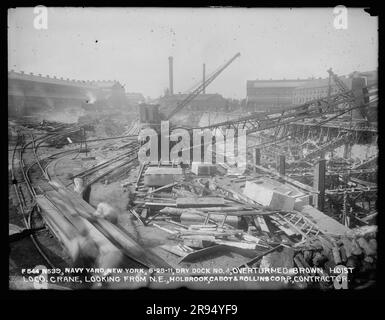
{"x": 200, "y": 88}
{"x": 150, "y": 114}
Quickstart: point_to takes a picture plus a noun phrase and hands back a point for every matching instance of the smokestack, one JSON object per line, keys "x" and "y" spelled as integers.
{"x": 204, "y": 78}
{"x": 170, "y": 74}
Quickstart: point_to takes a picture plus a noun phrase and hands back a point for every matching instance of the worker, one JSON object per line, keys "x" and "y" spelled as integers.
{"x": 131, "y": 197}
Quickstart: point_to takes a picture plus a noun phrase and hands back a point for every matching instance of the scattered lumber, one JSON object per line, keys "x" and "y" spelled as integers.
{"x": 237, "y": 211}
{"x": 199, "y": 237}
{"x": 156, "y": 204}
{"x": 188, "y": 218}
{"x": 209, "y": 232}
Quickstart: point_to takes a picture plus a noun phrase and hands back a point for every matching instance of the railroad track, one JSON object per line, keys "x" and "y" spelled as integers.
{"x": 63, "y": 210}
{"x": 29, "y": 179}
{"x": 26, "y": 193}
{"x": 108, "y": 166}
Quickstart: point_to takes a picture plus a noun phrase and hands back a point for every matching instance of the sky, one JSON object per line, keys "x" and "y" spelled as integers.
{"x": 132, "y": 45}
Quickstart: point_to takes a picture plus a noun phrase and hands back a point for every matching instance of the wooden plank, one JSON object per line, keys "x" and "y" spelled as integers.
{"x": 156, "y": 204}
{"x": 162, "y": 188}
{"x": 203, "y": 226}
{"x": 261, "y": 223}
{"x": 199, "y": 202}
{"x": 208, "y": 232}
{"x": 237, "y": 244}
{"x": 230, "y": 211}
{"x": 199, "y": 237}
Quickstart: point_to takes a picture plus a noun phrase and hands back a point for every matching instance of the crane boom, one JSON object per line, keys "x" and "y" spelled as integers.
{"x": 312, "y": 109}
{"x": 345, "y": 90}
{"x": 340, "y": 84}
{"x": 200, "y": 88}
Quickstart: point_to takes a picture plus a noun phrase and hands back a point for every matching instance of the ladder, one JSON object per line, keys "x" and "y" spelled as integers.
{"x": 301, "y": 224}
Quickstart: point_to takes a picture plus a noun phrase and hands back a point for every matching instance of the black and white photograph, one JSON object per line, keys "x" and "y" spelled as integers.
{"x": 207, "y": 148}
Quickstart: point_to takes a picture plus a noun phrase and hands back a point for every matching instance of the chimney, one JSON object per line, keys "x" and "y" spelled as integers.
{"x": 204, "y": 79}
{"x": 170, "y": 74}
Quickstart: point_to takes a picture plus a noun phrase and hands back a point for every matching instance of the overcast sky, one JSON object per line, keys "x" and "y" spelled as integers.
{"x": 132, "y": 45}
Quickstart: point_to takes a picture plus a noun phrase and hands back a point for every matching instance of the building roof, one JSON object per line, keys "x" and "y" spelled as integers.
{"x": 324, "y": 82}
{"x": 13, "y": 75}
{"x": 290, "y": 83}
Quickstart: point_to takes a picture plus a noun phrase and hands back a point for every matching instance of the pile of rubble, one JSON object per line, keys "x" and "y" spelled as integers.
{"x": 203, "y": 210}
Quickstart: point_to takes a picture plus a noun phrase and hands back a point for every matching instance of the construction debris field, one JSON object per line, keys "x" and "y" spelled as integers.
{"x": 301, "y": 215}
{"x": 226, "y": 149}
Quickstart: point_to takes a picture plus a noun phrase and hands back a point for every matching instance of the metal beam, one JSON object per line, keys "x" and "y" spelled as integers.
{"x": 319, "y": 184}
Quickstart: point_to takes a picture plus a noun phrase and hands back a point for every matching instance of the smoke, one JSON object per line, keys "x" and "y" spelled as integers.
{"x": 90, "y": 97}
{"x": 68, "y": 115}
